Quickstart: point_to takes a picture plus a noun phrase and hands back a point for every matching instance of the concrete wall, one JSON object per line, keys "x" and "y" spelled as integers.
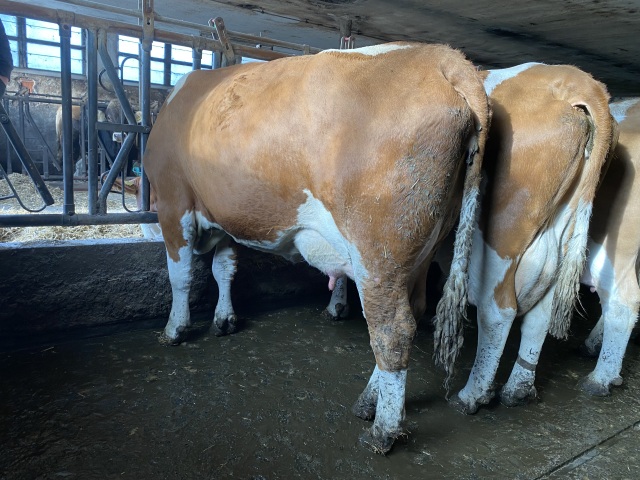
{"x": 64, "y": 287}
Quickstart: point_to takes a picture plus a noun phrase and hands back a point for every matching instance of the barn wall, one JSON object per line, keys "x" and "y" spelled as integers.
{"x": 62, "y": 288}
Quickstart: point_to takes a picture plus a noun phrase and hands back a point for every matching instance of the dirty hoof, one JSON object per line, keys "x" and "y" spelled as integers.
{"x": 520, "y": 396}
{"x": 224, "y": 326}
{"x": 378, "y": 441}
{"x": 166, "y": 340}
{"x": 364, "y": 408}
{"x": 590, "y": 386}
{"x": 585, "y": 351}
{"x": 468, "y": 409}
{"x": 337, "y": 312}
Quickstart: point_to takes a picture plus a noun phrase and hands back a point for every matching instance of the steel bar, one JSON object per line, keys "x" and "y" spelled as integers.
{"x": 118, "y": 164}
{"x": 43, "y": 141}
{"x": 145, "y": 91}
{"x": 92, "y": 91}
{"x": 57, "y": 219}
{"x": 24, "y": 156}
{"x": 67, "y": 133}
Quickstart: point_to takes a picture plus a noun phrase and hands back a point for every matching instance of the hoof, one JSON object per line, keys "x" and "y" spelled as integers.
{"x": 166, "y": 340}
{"x": 340, "y": 312}
{"x": 590, "y": 386}
{"x": 378, "y": 441}
{"x": 364, "y": 409}
{"x": 520, "y": 396}
{"x": 585, "y": 351}
{"x": 456, "y": 402}
{"x": 224, "y": 326}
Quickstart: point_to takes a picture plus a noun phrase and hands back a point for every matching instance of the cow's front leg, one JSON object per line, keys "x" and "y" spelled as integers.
{"x": 520, "y": 387}
{"x": 384, "y": 395}
{"x": 338, "y": 307}
{"x": 494, "y": 324}
{"x": 179, "y": 262}
{"x": 224, "y": 270}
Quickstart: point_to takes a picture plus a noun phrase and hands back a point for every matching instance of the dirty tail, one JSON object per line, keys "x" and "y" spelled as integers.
{"x": 603, "y": 138}
{"x": 452, "y": 307}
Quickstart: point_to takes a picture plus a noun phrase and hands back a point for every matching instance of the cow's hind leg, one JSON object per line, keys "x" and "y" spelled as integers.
{"x": 494, "y": 324}
{"x": 593, "y": 344}
{"x": 619, "y": 314}
{"x": 385, "y": 393}
{"x": 520, "y": 388}
{"x": 179, "y": 237}
{"x": 224, "y": 269}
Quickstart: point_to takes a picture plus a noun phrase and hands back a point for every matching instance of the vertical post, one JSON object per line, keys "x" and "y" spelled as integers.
{"x": 145, "y": 91}
{"x": 92, "y": 91}
{"x": 196, "y": 55}
{"x": 67, "y": 152}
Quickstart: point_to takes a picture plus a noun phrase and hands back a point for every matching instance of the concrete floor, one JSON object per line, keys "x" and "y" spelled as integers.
{"x": 273, "y": 401}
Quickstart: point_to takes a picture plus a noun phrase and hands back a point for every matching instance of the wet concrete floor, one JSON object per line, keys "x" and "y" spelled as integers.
{"x": 273, "y": 402}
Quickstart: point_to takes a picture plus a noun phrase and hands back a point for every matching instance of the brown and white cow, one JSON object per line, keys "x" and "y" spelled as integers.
{"x": 614, "y": 245}
{"x": 550, "y": 136}
{"x": 351, "y": 160}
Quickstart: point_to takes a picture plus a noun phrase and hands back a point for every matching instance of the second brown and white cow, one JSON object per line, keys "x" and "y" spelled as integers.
{"x": 351, "y": 160}
{"x": 550, "y": 136}
{"x": 614, "y": 245}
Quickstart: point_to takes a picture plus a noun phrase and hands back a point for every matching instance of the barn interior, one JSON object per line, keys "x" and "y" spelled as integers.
{"x": 89, "y": 392}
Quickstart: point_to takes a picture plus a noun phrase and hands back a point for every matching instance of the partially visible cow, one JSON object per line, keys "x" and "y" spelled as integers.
{"x": 267, "y": 154}
{"x": 550, "y": 136}
{"x": 132, "y": 186}
{"x": 614, "y": 244}
{"x": 76, "y": 135}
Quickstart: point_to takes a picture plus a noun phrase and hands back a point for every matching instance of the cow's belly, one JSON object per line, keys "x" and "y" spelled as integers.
{"x": 313, "y": 237}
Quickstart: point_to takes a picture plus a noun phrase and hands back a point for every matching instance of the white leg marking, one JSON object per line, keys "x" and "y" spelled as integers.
{"x": 494, "y": 324}
{"x": 619, "y": 320}
{"x": 180, "y": 277}
{"x": 535, "y": 325}
{"x": 224, "y": 269}
{"x": 594, "y": 340}
{"x": 390, "y": 406}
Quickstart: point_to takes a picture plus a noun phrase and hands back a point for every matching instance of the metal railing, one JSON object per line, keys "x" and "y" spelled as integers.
{"x": 206, "y": 37}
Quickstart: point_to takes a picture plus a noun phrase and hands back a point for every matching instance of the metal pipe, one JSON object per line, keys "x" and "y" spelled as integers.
{"x": 145, "y": 92}
{"x": 34, "y": 126}
{"x": 118, "y": 165}
{"x": 112, "y": 73}
{"x": 36, "y": 12}
{"x": 59, "y": 219}
{"x": 23, "y": 155}
{"x": 67, "y": 133}
{"x": 92, "y": 91}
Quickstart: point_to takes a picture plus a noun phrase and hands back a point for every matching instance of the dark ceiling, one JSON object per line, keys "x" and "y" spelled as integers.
{"x": 599, "y": 36}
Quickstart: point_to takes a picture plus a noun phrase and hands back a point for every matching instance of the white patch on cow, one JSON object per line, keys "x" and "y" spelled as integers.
{"x": 486, "y": 269}
{"x": 538, "y": 265}
{"x": 496, "y": 77}
{"x": 619, "y": 109}
{"x": 152, "y": 231}
{"x": 390, "y": 406}
{"x": 333, "y": 250}
{"x": 372, "y": 50}
{"x": 599, "y": 272}
{"x": 178, "y": 86}
{"x": 180, "y": 277}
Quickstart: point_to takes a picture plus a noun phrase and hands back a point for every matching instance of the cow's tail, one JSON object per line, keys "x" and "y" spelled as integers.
{"x": 603, "y": 137}
{"x": 451, "y": 309}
